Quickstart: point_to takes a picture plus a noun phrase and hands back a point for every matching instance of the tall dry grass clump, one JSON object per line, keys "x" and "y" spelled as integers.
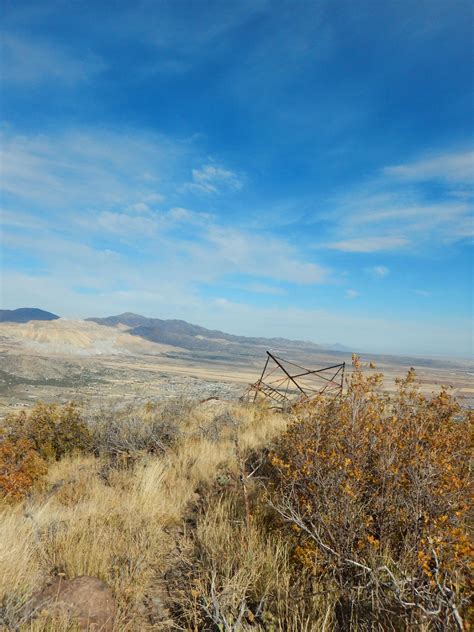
{"x": 237, "y": 576}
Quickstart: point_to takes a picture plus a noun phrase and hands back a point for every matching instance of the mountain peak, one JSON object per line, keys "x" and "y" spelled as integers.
{"x": 25, "y": 314}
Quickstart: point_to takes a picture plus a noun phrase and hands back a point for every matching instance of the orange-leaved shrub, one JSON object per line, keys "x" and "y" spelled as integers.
{"x": 53, "y": 430}
{"x": 20, "y": 467}
{"x": 375, "y": 490}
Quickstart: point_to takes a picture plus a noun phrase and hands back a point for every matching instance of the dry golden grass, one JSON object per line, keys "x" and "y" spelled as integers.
{"x": 243, "y": 577}
{"x": 112, "y": 521}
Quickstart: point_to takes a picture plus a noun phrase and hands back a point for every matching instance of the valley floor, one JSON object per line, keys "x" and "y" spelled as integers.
{"x": 28, "y": 378}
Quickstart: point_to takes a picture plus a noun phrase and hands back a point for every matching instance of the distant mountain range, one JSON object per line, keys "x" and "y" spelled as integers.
{"x": 176, "y": 333}
{"x": 24, "y": 315}
{"x": 180, "y": 333}
{"x": 131, "y": 333}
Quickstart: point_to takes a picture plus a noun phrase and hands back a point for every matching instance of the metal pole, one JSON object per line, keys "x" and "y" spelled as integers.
{"x": 261, "y": 378}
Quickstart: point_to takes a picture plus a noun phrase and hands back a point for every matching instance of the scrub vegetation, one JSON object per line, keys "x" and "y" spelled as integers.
{"x": 344, "y": 514}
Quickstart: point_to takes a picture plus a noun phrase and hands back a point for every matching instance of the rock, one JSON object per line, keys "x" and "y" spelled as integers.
{"x": 87, "y": 600}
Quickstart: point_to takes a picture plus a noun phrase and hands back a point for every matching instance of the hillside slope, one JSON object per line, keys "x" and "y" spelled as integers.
{"x": 74, "y": 337}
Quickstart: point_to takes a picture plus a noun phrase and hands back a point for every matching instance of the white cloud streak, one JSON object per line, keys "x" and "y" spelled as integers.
{"x": 392, "y": 212}
{"x": 379, "y": 272}
{"x": 369, "y": 244}
{"x": 263, "y": 255}
{"x": 456, "y": 167}
{"x": 88, "y": 167}
{"x": 214, "y": 179}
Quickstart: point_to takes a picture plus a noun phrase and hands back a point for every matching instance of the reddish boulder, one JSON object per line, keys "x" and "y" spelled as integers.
{"x": 87, "y": 600}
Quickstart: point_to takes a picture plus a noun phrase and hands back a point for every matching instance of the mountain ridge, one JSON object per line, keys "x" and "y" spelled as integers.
{"x": 25, "y": 315}
{"x": 173, "y": 332}
{"x": 186, "y": 335}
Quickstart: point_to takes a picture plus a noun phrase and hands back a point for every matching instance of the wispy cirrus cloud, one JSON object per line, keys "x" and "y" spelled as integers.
{"x": 369, "y": 244}
{"x": 264, "y": 255}
{"x": 214, "y": 179}
{"x": 423, "y": 293}
{"x": 395, "y": 210}
{"x": 208, "y": 258}
{"x": 454, "y": 167}
{"x": 125, "y": 224}
{"x": 88, "y": 167}
{"x": 108, "y": 169}
{"x": 379, "y": 272}
{"x": 139, "y": 221}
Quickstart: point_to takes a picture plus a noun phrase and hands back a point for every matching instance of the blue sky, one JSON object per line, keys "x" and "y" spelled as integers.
{"x": 301, "y": 169}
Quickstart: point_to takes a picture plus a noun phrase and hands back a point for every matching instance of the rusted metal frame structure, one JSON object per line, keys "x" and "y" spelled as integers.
{"x": 283, "y": 398}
